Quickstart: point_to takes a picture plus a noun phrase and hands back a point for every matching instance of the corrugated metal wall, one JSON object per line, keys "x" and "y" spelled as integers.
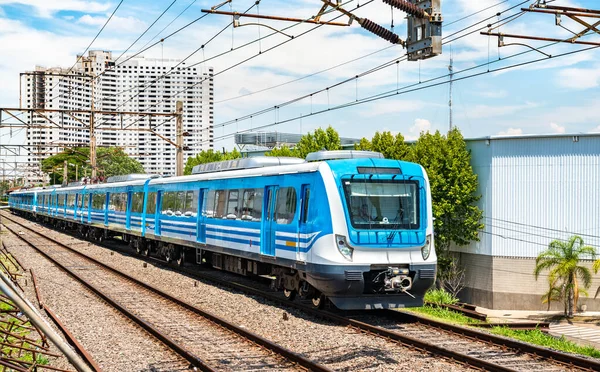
{"x": 535, "y": 190}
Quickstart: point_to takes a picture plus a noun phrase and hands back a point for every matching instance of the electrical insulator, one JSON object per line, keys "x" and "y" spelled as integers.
{"x": 380, "y": 31}
{"x": 407, "y": 7}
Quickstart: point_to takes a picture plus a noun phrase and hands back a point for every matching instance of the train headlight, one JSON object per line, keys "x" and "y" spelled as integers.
{"x": 426, "y": 249}
{"x": 343, "y": 247}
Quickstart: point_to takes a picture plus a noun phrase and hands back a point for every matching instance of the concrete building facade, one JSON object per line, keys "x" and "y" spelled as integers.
{"x": 534, "y": 189}
{"x": 137, "y": 85}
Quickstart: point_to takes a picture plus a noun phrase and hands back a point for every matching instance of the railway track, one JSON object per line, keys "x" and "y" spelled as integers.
{"x": 461, "y": 344}
{"x": 206, "y": 341}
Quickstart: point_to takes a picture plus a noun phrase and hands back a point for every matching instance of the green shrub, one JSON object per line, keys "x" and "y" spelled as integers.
{"x": 440, "y": 297}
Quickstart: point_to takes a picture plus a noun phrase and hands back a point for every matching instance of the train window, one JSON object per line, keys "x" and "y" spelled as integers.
{"x": 61, "y": 200}
{"x": 172, "y": 203}
{"x": 137, "y": 202}
{"x": 220, "y": 201}
{"x": 383, "y": 205}
{"x": 232, "y": 205}
{"x": 252, "y": 205}
{"x": 98, "y": 201}
{"x": 305, "y": 200}
{"x": 208, "y": 204}
{"x": 79, "y": 200}
{"x": 86, "y": 199}
{"x": 71, "y": 200}
{"x": 285, "y": 207}
{"x": 151, "y": 204}
{"x": 191, "y": 203}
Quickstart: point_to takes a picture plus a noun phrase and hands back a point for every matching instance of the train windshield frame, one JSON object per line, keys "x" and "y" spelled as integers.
{"x": 383, "y": 204}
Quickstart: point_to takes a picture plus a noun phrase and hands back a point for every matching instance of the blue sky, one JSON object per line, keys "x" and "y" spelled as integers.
{"x": 556, "y": 95}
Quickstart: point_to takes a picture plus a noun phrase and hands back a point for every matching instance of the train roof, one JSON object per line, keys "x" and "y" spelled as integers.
{"x": 338, "y": 167}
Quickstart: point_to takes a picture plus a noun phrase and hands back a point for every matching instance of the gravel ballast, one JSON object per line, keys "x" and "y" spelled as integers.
{"x": 335, "y": 346}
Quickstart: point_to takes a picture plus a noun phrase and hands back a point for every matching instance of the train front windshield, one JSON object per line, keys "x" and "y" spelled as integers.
{"x": 383, "y": 205}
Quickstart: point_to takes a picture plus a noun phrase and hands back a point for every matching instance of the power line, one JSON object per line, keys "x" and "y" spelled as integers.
{"x": 370, "y": 54}
{"x": 375, "y": 69}
{"x": 533, "y": 234}
{"x": 395, "y": 92}
{"x": 542, "y": 228}
{"x": 306, "y": 76}
{"x": 247, "y": 59}
{"x": 86, "y": 49}
{"x": 170, "y": 23}
{"x": 147, "y": 29}
{"x": 173, "y": 69}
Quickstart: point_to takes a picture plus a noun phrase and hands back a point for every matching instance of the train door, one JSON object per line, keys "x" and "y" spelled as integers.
{"x": 128, "y": 210}
{"x": 302, "y": 241}
{"x": 201, "y": 223}
{"x": 157, "y": 221}
{"x": 267, "y": 237}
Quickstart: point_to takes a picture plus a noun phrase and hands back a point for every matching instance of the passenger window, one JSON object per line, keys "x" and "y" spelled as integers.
{"x": 71, "y": 200}
{"x": 98, "y": 201}
{"x": 232, "y": 205}
{"x": 169, "y": 203}
{"x": 252, "y": 205}
{"x": 137, "y": 202}
{"x": 151, "y": 204}
{"x": 86, "y": 199}
{"x": 208, "y": 204}
{"x": 191, "y": 203}
{"x": 220, "y": 201}
{"x": 285, "y": 207}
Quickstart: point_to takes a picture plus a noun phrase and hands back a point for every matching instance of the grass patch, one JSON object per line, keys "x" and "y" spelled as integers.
{"x": 439, "y": 297}
{"x": 540, "y": 338}
{"x": 442, "y": 314}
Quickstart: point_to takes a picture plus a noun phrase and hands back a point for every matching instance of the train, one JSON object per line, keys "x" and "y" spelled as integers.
{"x": 346, "y": 226}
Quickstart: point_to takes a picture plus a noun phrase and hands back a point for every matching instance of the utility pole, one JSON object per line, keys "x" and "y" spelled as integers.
{"x": 451, "y": 70}
{"x": 179, "y": 140}
{"x": 92, "y": 137}
{"x": 65, "y": 170}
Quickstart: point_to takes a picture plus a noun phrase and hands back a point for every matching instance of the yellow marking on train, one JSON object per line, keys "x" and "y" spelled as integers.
{"x": 290, "y": 244}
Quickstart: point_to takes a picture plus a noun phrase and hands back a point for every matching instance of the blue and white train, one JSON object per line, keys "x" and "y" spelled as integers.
{"x": 347, "y": 226}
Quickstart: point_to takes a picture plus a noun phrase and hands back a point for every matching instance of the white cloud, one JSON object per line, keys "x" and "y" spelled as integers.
{"x": 557, "y": 128}
{"x": 420, "y": 126}
{"x": 393, "y": 106}
{"x": 46, "y": 8}
{"x": 511, "y": 132}
{"x": 127, "y": 24}
{"x": 487, "y": 111}
{"x": 580, "y": 78}
{"x": 596, "y": 130}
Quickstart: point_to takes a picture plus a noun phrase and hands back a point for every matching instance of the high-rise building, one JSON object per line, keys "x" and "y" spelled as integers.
{"x": 137, "y": 85}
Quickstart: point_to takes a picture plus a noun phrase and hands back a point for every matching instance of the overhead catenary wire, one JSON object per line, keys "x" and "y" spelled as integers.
{"x": 370, "y": 71}
{"x": 82, "y": 54}
{"x": 127, "y": 59}
{"x": 380, "y": 50}
{"x": 396, "y": 92}
{"x": 242, "y": 61}
{"x": 173, "y": 69}
{"x": 541, "y": 227}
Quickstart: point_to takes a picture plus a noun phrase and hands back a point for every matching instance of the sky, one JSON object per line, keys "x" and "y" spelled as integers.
{"x": 495, "y": 91}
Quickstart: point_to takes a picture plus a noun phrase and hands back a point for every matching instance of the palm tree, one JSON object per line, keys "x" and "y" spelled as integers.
{"x": 563, "y": 260}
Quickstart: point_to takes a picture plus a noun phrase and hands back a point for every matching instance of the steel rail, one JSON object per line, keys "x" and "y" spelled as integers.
{"x": 286, "y": 353}
{"x": 563, "y": 358}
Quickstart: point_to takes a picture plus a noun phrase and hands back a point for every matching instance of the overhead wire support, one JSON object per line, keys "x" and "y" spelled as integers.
{"x": 558, "y": 11}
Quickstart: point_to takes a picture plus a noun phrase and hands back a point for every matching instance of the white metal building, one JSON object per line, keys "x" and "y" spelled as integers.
{"x": 534, "y": 189}
{"x": 117, "y": 90}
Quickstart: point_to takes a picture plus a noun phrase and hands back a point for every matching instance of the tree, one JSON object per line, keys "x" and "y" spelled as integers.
{"x": 113, "y": 161}
{"x": 453, "y": 189}
{"x": 392, "y": 147}
{"x": 320, "y": 139}
{"x": 562, "y": 260}
{"x": 209, "y": 156}
{"x": 110, "y": 161}
{"x": 283, "y": 151}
